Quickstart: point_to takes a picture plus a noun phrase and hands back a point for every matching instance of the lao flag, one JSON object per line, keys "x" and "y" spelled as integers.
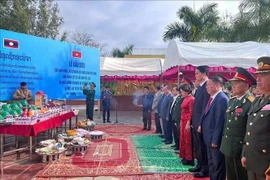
{"x": 77, "y": 54}
{"x": 10, "y": 43}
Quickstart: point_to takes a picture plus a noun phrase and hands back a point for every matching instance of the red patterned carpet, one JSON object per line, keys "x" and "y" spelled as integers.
{"x": 123, "y": 129}
{"x": 113, "y": 156}
{"x": 137, "y": 177}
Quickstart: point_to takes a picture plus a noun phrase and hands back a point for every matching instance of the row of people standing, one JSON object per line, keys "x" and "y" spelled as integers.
{"x": 169, "y": 106}
{"x": 229, "y": 131}
{"x": 224, "y": 132}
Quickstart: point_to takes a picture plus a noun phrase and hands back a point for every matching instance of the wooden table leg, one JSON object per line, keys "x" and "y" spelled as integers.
{"x": 31, "y": 146}
{"x": 76, "y": 120}
{"x": 1, "y": 148}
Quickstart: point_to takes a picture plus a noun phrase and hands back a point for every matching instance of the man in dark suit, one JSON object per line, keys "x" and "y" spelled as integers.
{"x": 235, "y": 125}
{"x": 175, "y": 115}
{"x": 212, "y": 127}
{"x": 165, "y": 106}
{"x": 106, "y": 100}
{"x": 201, "y": 99}
{"x": 147, "y": 101}
{"x": 256, "y": 151}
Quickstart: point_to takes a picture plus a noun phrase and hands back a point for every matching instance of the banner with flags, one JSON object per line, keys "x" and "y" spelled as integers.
{"x": 57, "y": 68}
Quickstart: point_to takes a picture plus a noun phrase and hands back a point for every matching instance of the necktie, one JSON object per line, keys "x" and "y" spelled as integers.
{"x": 208, "y": 105}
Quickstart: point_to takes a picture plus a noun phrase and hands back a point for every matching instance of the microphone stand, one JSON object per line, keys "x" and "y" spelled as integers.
{"x": 116, "y": 112}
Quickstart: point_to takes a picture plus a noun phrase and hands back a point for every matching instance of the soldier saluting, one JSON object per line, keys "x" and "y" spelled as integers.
{"x": 256, "y": 151}
{"x": 90, "y": 99}
{"x": 235, "y": 125}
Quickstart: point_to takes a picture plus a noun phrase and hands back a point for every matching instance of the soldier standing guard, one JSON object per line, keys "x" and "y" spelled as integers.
{"x": 256, "y": 151}
{"x": 235, "y": 125}
{"x": 90, "y": 99}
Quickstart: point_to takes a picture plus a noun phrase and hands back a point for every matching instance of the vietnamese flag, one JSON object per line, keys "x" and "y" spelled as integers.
{"x": 77, "y": 54}
{"x": 10, "y": 43}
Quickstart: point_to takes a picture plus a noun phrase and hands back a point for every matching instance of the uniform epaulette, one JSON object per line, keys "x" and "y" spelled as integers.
{"x": 251, "y": 98}
{"x": 233, "y": 97}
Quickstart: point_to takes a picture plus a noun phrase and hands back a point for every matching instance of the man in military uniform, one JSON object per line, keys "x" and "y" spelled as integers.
{"x": 23, "y": 93}
{"x": 256, "y": 151}
{"x": 235, "y": 125}
{"x": 90, "y": 99}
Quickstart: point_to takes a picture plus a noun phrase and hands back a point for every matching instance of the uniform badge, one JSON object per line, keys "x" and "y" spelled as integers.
{"x": 261, "y": 64}
{"x": 266, "y": 107}
{"x": 238, "y": 111}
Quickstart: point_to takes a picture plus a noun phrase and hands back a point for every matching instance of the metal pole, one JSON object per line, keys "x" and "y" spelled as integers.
{"x": 178, "y": 75}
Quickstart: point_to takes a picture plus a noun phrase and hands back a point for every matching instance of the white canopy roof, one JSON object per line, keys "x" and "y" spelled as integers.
{"x": 214, "y": 54}
{"x": 130, "y": 66}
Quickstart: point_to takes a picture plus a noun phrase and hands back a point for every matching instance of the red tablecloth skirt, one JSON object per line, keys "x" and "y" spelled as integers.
{"x": 33, "y": 130}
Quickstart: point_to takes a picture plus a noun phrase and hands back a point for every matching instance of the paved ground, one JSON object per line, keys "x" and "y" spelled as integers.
{"x": 126, "y": 117}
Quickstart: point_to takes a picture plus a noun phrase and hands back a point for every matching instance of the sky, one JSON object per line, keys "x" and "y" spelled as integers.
{"x": 119, "y": 23}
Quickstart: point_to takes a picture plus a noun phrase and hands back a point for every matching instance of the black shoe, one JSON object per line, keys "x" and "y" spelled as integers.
{"x": 173, "y": 146}
{"x": 168, "y": 142}
{"x": 200, "y": 175}
{"x": 188, "y": 162}
{"x": 148, "y": 129}
{"x": 164, "y": 141}
{"x": 176, "y": 149}
{"x": 162, "y": 136}
{"x": 104, "y": 121}
{"x": 144, "y": 129}
{"x": 109, "y": 121}
{"x": 196, "y": 169}
{"x": 176, "y": 152}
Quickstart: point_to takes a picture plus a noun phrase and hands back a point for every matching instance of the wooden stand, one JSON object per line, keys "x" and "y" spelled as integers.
{"x": 50, "y": 158}
{"x": 96, "y": 137}
{"x": 79, "y": 149}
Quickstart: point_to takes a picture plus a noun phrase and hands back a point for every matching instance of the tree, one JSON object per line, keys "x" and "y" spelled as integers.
{"x": 252, "y": 21}
{"x": 85, "y": 39}
{"x": 34, "y": 17}
{"x": 196, "y": 26}
{"x": 116, "y": 52}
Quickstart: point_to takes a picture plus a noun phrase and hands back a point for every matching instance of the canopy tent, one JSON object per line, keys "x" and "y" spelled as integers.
{"x": 220, "y": 57}
{"x": 130, "y": 68}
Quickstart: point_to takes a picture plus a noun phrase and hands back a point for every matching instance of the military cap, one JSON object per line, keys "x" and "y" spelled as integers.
{"x": 187, "y": 80}
{"x": 263, "y": 65}
{"x": 243, "y": 75}
{"x": 224, "y": 79}
{"x": 92, "y": 83}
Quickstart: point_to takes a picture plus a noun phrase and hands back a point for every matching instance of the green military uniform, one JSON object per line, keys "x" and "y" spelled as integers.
{"x": 233, "y": 136}
{"x": 175, "y": 116}
{"x": 90, "y": 100}
{"x": 257, "y": 139}
{"x": 235, "y": 126}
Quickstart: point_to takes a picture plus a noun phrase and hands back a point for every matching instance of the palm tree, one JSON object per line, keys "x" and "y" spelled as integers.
{"x": 252, "y": 22}
{"x": 116, "y": 52}
{"x": 255, "y": 10}
{"x": 196, "y": 26}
